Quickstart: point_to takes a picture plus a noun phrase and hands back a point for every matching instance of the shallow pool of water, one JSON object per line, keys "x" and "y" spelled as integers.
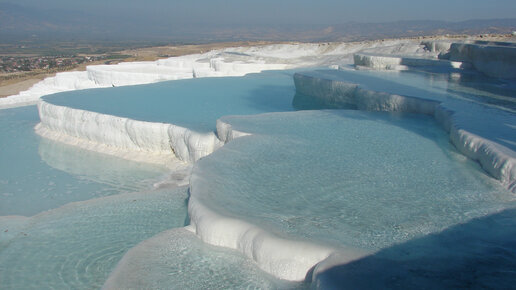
{"x": 195, "y": 103}
{"x": 38, "y": 174}
{"x": 177, "y": 259}
{"x": 74, "y": 214}
{"x": 77, "y": 245}
{"x": 352, "y": 178}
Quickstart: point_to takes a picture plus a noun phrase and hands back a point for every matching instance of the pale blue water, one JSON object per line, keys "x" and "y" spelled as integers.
{"x": 479, "y": 254}
{"x": 76, "y": 246}
{"x": 468, "y": 96}
{"x": 177, "y": 259}
{"x": 84, "y": 210}
{"x": 34, "y": 174}
{"x": 194, "y": 103}
{"x": 350, "y": 178}
{"x": 368, "y": 180}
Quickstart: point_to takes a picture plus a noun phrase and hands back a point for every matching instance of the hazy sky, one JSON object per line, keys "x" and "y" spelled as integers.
{"x": 284, "y": 11}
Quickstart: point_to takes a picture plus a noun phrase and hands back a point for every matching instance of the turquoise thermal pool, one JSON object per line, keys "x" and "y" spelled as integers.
{"x": 77, "y": 245}
{"x": 38, "y": 174}
{"x": 345, "y": 178}
{"x": 194, "y": 103}
{"x": 300, "y": 169}
{"x": 71, "y": 220}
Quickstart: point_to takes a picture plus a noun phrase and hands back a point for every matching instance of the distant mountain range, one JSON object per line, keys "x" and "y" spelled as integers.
{"x": 19, "y": 23}
{"x": 358, "y": 31}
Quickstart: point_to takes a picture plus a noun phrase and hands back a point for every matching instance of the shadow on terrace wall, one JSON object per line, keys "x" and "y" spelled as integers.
{"x": 478, "y": 254}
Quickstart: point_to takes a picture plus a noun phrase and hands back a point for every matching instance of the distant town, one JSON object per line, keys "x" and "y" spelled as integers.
{"x": 13, "y": 64}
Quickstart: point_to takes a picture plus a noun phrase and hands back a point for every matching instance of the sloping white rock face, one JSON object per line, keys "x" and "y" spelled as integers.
{"x": 349, "y": 95}
{"x": 485, "y": 139}
{"x": 496, "y": 60}
{"x": 177, "y": 259}
{"x": 438, "y": 46}
{"x": 123, "y": 137}
{"x": 286, "y": 259}
{"x": 409, "y": 57}
{"x": 391, "y": 62}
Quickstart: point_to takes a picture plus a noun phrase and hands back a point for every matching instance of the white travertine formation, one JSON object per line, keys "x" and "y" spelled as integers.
{"x": 392, "y": 62}
{"x": 164, "y": 143}
{"x": 496, "y": 60}
{"x": 122, "y": 136}
{"x": 284, "y": 258}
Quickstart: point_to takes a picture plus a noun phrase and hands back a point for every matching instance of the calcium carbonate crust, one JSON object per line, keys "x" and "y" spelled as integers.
{"x": 390, "y": 62}
{"x": 149, "y": 141}
{"x": 284, "y": 258}
{"x": 494, "y": 59}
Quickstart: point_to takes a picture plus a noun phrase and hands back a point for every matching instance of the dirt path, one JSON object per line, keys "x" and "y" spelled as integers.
{"x": 18, "y": 86}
